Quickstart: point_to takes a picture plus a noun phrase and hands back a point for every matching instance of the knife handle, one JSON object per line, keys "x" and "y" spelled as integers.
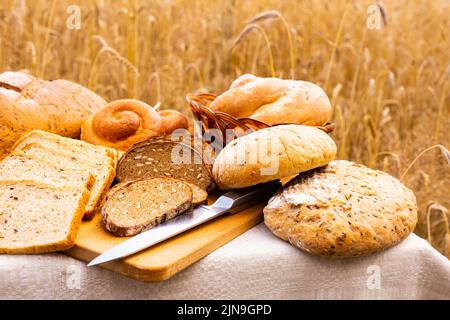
{"x": 240, "y": 199}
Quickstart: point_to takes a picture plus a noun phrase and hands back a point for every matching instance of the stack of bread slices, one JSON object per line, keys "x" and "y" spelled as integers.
{"x": 47, "y": 185}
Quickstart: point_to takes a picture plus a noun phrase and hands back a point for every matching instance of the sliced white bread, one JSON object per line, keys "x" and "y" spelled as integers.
{"x": 70, "y": 146}
{"x": 38, "y": 218}
{"x": 104, "y": 173}
{"x": 22, "y": 166}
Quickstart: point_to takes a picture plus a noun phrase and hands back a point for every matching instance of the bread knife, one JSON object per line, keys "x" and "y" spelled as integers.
{"x": 231, "y": 202}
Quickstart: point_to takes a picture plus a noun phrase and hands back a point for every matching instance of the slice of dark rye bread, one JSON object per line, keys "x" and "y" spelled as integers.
{"x": 199, "y": 196}
{"x": 164, "y": 158}
{"x": 39, "y": 218}
{"x": 142, "y": 204}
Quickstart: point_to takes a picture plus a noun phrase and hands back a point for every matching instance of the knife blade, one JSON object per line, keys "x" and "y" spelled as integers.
{"x": 231, "y": 202}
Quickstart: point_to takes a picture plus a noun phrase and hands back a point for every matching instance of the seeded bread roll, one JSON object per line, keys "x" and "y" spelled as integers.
{"x": 342, "y": 210}
{"x": 140, "y": 205}
{"x": 164, "y": 158}
{"x": 271, "y": 154}
{"x": 38, "y": 218}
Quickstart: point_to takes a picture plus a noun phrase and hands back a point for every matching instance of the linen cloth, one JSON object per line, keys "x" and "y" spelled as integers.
{"x": 256, "y": 265}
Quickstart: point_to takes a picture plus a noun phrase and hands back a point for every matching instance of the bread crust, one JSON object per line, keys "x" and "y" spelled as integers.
{"x": 342, "y": 210}
{"x": 113, "y": 220}
{"x": 123, "y": 123}
{"x": 28, "y": 103}
{"x": 274, "y": 100}
{"x": 271, "y": 154}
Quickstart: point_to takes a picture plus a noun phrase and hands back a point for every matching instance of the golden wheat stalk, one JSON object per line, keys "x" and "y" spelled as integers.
{"x": 110, "y": 52}
{"x": 444, "y": 151}
{"x": 248, "y": 30}
{"x": 274, "y": 14}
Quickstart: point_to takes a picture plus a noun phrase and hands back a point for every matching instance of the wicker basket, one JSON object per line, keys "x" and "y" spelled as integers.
{"x": 228, "y": 125}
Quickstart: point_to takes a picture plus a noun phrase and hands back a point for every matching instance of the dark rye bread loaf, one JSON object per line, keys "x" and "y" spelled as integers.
{"x": 164, "y": 158}
{"x": 140, "y": 205}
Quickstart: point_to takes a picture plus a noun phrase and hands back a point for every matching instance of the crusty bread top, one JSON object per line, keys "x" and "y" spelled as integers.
{"x": 342, "y": 210}
{"x": 125, "y": 122}
{"x": 270, "y": 154}
{"x": 273, "y": 101}
{"x": 28, "y": 103}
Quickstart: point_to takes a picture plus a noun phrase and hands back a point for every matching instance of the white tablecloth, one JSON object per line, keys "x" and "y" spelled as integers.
{"x": 255, "y": 265}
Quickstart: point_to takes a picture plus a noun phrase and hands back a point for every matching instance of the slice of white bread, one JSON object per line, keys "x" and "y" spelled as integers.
{"x": 78, "y": 164}
{"x": 38, "y": 218}
{"x": 21, "y": 166}
{"x": 70, "y": 146}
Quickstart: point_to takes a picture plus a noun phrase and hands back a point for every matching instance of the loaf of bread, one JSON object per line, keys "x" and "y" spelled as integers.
{"x": 28, "y": 103}
{"x": 123, "y": 123}
{"x": 140, "y": 205}
{"x": 38, "y": 218}
{"x": 342, "y": 210}
{"x": 270, "y": 154}
{"x": 274, "y": 101}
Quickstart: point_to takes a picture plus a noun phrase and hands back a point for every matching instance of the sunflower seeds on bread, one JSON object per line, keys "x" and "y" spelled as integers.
{"x": 199, "y": 196}
{"x": 164, "y": 158}
{"x": 38, "y": 218}
{"x": 137, "y": 206}
{"x": 342, "y": 210}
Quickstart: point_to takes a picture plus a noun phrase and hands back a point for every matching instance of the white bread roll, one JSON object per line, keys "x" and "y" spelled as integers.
{"x": 270, "y": 154}
{"x": 274, "y": 101}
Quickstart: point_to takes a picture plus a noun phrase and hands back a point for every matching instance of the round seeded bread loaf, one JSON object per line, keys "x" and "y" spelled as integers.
{"x": 270, "y": 154}
{"x": 342, "y": 210}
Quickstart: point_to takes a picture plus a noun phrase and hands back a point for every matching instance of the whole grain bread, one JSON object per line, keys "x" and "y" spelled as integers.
{"x": 78, "y": 164}
{"x": 139, "y": 205}
{"x": 342, "y": 210}
{"x": 38, "y": 218}
{"x": 199, "y": 196}
{"x": 22, "y": 166}
{"x": 163, "y": 158}
{"x": 71, "y": 147}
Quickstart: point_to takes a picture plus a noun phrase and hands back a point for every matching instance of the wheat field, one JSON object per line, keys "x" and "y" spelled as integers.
{"x": 388, "y": 86}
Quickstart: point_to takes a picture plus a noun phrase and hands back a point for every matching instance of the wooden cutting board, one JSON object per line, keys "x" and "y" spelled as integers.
{"x": 169, "y": 257}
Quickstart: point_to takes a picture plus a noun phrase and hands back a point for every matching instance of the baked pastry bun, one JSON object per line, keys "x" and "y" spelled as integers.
{"x": 270, "y": 154}
{"x": 274, "y": 101}
{"x": 123, "y": 123}
{"x": 342, "y": 210}
{"x": 28, "y": 103}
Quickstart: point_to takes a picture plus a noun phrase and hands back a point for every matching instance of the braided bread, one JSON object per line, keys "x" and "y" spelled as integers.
{"x": 122, "y": 123}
